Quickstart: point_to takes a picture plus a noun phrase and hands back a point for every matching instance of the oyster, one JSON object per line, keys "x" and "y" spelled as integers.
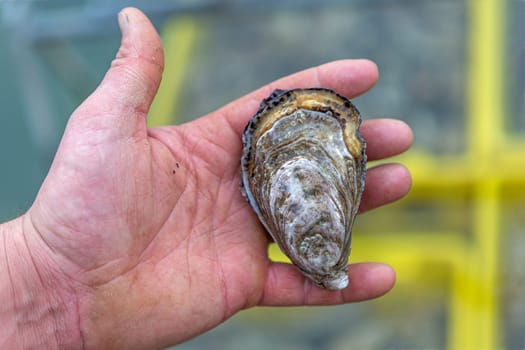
{"x": 303, "y": 172}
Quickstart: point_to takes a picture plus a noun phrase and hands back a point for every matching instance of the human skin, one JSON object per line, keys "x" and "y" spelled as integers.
{"x": 139, "y": 238}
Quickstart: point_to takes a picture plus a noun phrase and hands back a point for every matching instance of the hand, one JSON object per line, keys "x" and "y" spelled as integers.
{"x": 143, "y": 233}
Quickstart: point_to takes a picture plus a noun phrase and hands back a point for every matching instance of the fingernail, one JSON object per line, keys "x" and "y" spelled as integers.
{"x": 123, "y": 21}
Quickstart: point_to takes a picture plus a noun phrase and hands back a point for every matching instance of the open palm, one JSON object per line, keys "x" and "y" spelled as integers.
{"x": 147, "y": 229}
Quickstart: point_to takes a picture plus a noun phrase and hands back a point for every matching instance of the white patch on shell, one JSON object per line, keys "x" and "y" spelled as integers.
{"x": 305, "y": 207}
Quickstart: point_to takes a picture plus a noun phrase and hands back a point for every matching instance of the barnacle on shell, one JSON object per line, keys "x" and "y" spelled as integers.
{"x": 303, "y": 172}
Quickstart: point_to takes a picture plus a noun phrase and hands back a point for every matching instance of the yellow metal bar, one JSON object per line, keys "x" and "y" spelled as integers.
{"x": 474, "y": 313}
{"x": 487, "y": 224}
{"x": 484, "y": 114}
{"x": 178, "y": 36}
{"x": 462, "y": 331}
{"x": 461, "y": 171}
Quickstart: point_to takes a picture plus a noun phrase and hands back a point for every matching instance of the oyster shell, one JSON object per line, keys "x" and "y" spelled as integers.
{"x": 303, "y": 172}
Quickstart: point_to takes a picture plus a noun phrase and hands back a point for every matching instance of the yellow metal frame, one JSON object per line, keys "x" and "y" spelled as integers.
{"x": 178, "y": 38}
{"x": 469, "y": 259}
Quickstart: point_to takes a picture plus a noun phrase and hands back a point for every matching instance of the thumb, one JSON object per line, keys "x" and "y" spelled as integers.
{"x": 120, "y": 103}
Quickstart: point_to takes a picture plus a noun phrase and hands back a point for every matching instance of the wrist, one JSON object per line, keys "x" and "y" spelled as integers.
{"x": 37, "y": 309}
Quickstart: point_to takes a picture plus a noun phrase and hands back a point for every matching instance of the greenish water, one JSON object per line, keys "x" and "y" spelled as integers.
{"x": 21, "y": 169}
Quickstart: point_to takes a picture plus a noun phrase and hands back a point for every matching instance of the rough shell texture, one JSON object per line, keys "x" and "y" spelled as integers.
{"x": 303, "y": 172}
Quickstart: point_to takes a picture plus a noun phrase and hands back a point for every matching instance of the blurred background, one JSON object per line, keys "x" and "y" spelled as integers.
{"x": 452, "y": 69}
